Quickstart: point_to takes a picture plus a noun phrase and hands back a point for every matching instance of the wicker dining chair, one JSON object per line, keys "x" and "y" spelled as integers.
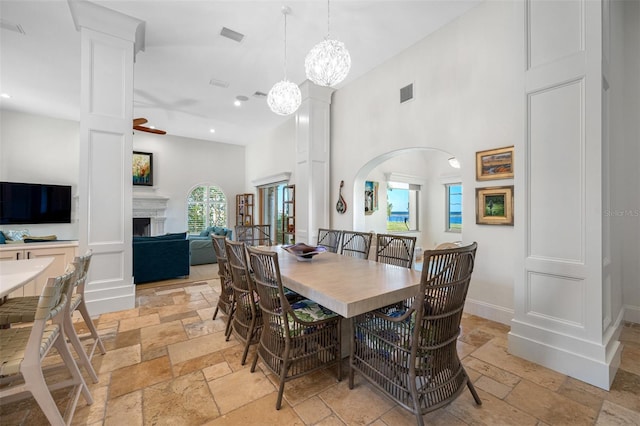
{"x": 356, "y": 244}
{"x": 254, "y": 235}
{"x": 409, "y": 352}
{"x": 226, "y": 303}
{"x": 247, "y": 316}
{"x": 329, "y": 238}
{"x": 395, "y": 249}
{"x": 448, "y": 245}
{"x": 22, "y": 350}
{"x": 23, "y": 309}
{"x": 297, "y": 338}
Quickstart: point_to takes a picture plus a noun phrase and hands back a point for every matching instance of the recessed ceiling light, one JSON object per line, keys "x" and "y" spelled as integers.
{"x": 212, "y": 130}
{"x": 237, "y": 103}
{"x": 5, "y": 96}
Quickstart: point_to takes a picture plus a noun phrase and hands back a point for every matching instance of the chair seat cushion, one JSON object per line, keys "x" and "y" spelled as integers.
{"x": 310, "y": 311}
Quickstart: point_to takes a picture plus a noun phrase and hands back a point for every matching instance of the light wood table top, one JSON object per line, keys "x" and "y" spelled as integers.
{"x": 345, "y": 284}
{"x": 16, "y": 273}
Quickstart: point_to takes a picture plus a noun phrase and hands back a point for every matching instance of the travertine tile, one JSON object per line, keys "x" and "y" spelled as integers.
{"x": 139, "y": 322}
{"x": 495, "y": 354}
{"x": 125, "y": 410}
{"x": 239, "y": 388}
{"x": 216, "y": 371}
{"x": 184, "y": 400}
{"x": 493, "y": 411}
{"x": 312, "y": 410}
{"x": 297, "y": 390}
{"x": 613, "y": 414}
{"x": 193, "y": 348}
{"x": 198, "y": 363}
{"x": 165, "y": 311}
{"x": 260, "y": 412}
{"x": 195, "y": 327}
{"x": 162, "y": 335}
{"x": 123, "y": 339}
{"x": 493, "y": 387}
{"x": 475, "y": 337}
{"x": 496, "y": 373}
{"x": 398, "y": 416}
{"x": 201, "y": 288}
{"x": 117, "y": 358}
{"x": 117, "y": 316}
{"x": 332, "y": 420}
{"x": 625, "y": 390}
{"x": 139, "y": 376}
{"x": 464, "y": 349}
{"x": 187, "y": 297}
{"x": 358, "y": 406}
{"x": 88, "y": 414}
{"x": 583, "y": 393}
{"x": 631, "y": 359}
{"x": 548, "y": 406}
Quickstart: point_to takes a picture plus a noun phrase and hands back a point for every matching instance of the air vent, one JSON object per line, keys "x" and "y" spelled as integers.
{"x": 219, "y": 83}
{"x": 233, "y": 35}
{"x": 406, "y": 93}
{"x": 259, "y": 94}
{"x": 6, "y": 25}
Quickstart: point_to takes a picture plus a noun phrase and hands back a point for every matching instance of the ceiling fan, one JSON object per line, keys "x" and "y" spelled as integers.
{"x": 138, "y": 125}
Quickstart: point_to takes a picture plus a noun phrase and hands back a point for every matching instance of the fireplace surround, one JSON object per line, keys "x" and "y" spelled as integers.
{"x": 152, "y": 207}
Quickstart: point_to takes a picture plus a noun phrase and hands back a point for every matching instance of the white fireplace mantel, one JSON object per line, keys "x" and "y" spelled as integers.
{"x": 152, "y": 207}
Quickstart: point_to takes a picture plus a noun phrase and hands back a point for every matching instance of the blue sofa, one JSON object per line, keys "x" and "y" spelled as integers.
{"x": 160, "y": 258}
{"x": 201, "y": 247}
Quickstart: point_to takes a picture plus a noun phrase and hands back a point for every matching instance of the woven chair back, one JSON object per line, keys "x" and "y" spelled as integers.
{"x": 356, "y": 244}
{"x": 395, "y": 250}
{"x": 330, "y": 238}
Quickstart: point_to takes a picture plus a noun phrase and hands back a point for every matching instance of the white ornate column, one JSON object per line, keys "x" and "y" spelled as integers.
{"x": 562, "y": 296}
{"x": 109, "y": 41}
{"x": 313, "y": 150}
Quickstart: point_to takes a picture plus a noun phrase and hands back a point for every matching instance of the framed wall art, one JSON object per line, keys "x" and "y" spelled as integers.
{"x": 494, "y": 164}
{"x": 142, "y": 168}
{"x": 370, "y": 197}
{"x": 494, "y": 206}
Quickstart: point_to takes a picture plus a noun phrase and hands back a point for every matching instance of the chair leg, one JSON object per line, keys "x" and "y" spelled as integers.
{"x": 473, "y": 392}
{"x": 246, "y": 351}
{"x": 94, "y": 332}
{"x": 38, "y": 387}
{"x": 70, "y": 333}
{"x": 227, "y": 330}
{"x": 63, "y": 351}
{"x": 255, "y": 362}
{"x": 283, "y": 375}
{"x": 215, "y": 313}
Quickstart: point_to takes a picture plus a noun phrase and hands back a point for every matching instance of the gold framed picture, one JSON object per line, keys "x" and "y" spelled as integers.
{"x": 494, "y": 206}
{"x": 494, "y": 164}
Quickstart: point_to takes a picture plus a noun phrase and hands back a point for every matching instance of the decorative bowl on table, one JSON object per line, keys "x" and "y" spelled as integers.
{"x": 303, "y": 252}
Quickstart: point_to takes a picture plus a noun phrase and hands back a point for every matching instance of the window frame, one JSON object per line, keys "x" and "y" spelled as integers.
{"x": 447, "y": 207}
{"x": 413, "y": 207}
{"x": 207, "y": 204}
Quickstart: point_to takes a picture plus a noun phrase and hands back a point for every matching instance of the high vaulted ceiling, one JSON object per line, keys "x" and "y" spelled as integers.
{"x": 184, "y": 52}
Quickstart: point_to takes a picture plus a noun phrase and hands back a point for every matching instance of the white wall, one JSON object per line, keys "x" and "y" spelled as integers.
{"x": 468, "y": 97}
{"x": 35, "y": 148}
{"x": 182, "y": 163}
{"x": 272, "y": 155}
{"x": 625, "y": 157}
{"x": 39, "y": 149}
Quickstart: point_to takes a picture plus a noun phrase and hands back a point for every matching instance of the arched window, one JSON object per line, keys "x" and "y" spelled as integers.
{"x": 206, "y": 206}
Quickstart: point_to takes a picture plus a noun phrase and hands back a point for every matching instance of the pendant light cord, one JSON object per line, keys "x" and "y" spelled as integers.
{"x": 285, "y": 45}
{"x": 328, "y": 21}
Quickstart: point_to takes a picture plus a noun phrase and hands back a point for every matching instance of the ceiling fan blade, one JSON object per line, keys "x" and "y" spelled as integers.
{"x": 139, "y": 121}
{"x": 149, "y": 130}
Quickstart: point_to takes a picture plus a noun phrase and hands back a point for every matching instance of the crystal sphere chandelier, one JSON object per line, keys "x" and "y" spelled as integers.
{"x": 328, "y": 63}
{"x": 284, "y": 98}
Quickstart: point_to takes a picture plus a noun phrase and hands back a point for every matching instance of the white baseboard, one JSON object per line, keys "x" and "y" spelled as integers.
{"x": 489, "y": 311}
{"x": 114, "y": 299}
{"x": 632, "y": 313}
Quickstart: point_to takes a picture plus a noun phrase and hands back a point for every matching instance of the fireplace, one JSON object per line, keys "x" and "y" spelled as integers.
{"x": 150, "y": 209}
{"x": 141, "y": 226}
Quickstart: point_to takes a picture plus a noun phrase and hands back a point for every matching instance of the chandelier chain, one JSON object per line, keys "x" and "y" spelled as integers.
{"x": 328, "y": 20}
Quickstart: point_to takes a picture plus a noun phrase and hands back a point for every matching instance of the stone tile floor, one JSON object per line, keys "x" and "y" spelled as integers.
{"x": 167, "y": 363}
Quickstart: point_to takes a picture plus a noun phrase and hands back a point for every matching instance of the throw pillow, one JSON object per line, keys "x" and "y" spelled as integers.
{"x": 17, "y": 235}
{"x": 221, "y": 232}
{"x": 3, "y": 240}
{"x": 205, "y": 233}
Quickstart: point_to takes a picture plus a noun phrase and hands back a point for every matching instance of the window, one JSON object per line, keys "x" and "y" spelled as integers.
{"x": 402, "y": 206}
{"x": 270, "y": 198}
{"x": 206, "y": 206}
{"x": 453, "y": 204}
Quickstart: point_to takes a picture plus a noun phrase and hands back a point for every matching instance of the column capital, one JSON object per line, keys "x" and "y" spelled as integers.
{"x": 98, "y": 18}
{"x": 310, "y": 90}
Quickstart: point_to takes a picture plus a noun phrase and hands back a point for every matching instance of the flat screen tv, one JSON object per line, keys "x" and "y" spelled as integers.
{"x": 26, "y": 203}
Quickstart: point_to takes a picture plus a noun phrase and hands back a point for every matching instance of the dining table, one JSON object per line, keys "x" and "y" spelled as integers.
{"x": 347, "y": 285}
{"x": 16, "y": 273}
